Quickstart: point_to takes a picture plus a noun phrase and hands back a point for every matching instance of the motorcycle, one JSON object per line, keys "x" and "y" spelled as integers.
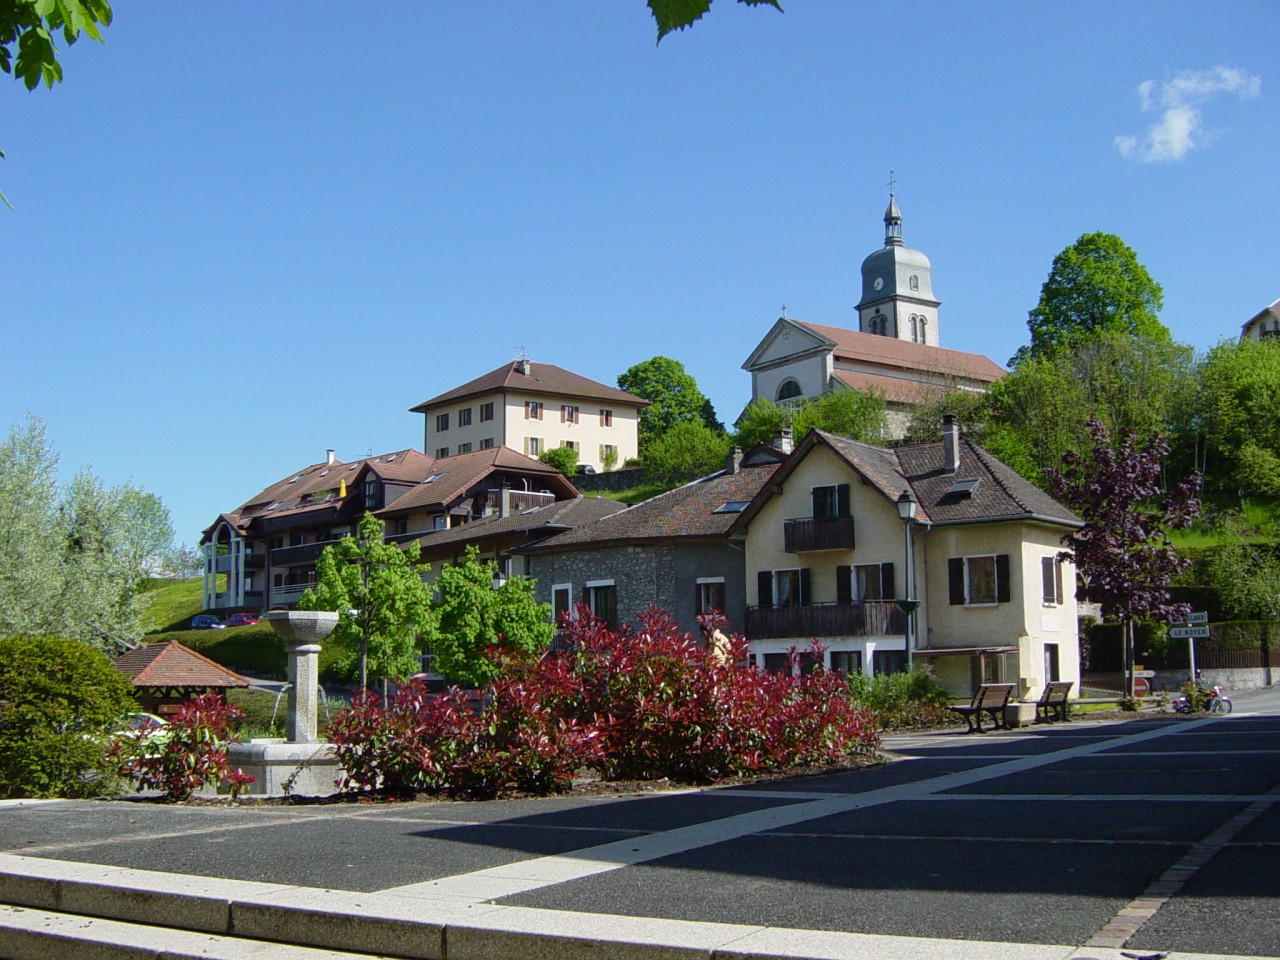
{"x": 1212, "y": 698}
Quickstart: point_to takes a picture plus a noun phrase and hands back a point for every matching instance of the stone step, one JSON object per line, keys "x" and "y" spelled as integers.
{"x": 27, "y": 934}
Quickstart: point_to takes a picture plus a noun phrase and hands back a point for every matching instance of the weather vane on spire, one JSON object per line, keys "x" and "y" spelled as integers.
{"x": 891, "y": 181}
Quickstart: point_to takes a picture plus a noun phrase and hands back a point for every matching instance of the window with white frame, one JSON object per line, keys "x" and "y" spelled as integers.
{"x": 601, "y": 597}
{"x": 1051, "y": 581}
{"x": 709, "y": 595}
{"x": 561, "y": 602}
{"x": 782, "y": 588}
{"x": 979, "y": 580}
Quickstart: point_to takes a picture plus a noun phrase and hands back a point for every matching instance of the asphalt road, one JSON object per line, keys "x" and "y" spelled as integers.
{"x": 1158, "y": 834}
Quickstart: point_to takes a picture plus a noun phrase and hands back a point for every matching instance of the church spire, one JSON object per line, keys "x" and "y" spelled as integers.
{"x": 892, "y": 219}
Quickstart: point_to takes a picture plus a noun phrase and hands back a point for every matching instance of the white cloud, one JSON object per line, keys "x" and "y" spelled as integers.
{"x": 1179, "y": 129}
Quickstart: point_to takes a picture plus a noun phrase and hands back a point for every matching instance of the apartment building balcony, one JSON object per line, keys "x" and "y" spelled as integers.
{"x": 289, "y": 593}
{"x": 303, "y": 553}
{"x": 517, "y": 500}
{"x": 870, "y": 618}
{"x": 817, "y": 533}
{"x": 251, "y": 561}
{"x": 227, "y": 600}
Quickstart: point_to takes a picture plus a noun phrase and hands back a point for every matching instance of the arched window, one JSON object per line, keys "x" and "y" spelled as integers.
{"x": 915, "y": 332}
{"x": 915, "y": 282}
{"x": 788, "y": 389}
{"x": 924, "y": 337}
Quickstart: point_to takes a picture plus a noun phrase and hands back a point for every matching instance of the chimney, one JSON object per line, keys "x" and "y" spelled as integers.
{"x": 523, "y": 367}
{"x": 733, "y": 462}
{"x": 782, "y": 441}
{"x": 950, "y": 443}
{"x": 328, "y": 456}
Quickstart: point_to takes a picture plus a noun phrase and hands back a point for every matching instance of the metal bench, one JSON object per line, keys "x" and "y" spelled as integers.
{"x": 1052, "y": 704}
{"x": 990, "y": 699}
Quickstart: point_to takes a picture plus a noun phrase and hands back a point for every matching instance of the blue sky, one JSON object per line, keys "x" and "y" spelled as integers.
{"x": 239, "y": 241}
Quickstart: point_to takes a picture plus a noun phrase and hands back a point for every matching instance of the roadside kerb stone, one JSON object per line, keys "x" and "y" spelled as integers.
{"x": 774, "y": 943}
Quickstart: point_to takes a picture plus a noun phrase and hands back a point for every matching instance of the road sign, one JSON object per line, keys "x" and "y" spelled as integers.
{"x": 1141, "y": 688}
{"x": 1144, "y": 673}
{"x": 1183, "y": 633}
{"x": 1195, "y": 616}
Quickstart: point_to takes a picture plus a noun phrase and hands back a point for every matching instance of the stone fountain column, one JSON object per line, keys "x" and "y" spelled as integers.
{"x": 302, "y": 631}
{"x": 301, "y": 764}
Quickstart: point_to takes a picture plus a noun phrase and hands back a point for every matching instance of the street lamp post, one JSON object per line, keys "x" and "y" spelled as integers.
{"x": 907, "y": 511}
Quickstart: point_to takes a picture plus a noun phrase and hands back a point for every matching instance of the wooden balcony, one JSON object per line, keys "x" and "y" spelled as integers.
{"x": 871, "y": 618}
{"x": 817, "y": 533}
{"x": 303, "y": 553}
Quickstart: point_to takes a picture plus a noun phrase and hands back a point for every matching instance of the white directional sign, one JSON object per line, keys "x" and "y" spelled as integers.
{"x": 1195, "y": 616}
{"x": 1182, "y": 633}
{"x": 1148, "y": 674}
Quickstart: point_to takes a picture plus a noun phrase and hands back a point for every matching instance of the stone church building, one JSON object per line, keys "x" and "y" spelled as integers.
{"x": 895, "y": 351}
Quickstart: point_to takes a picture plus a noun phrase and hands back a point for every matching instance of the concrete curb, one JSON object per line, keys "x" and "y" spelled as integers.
{"x": 186, "y": 916}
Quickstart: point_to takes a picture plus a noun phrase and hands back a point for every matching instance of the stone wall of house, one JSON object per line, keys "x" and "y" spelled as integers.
{"x": 646, "y": 575}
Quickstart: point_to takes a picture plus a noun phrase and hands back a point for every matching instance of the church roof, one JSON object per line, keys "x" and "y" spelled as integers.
{"x": 855, "y": 346}
{"x": 893, "y": 389}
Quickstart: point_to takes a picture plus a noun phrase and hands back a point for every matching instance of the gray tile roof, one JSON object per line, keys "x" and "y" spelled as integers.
{"x": 688, "y": 512}
{"x": 551, "y": 517}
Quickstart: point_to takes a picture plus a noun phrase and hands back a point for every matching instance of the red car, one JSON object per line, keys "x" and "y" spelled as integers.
{"x": 243, "y": 619}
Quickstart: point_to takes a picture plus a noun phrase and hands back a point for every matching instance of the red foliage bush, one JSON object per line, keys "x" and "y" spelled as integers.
{"x": 643, "y": 703}
{"x": 187, "y": 753}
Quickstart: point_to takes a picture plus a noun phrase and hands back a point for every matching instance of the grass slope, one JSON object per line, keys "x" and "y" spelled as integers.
{"x": 172, "y": 604}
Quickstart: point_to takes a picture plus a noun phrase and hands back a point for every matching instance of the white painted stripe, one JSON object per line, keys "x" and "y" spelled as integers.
{"x": 28, "y": 803}
{"x": 526, "y": 875}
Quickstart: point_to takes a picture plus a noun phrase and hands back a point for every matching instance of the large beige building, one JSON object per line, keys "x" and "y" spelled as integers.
{"x": 826, "y": 557}
{"x": 532, "y": 407}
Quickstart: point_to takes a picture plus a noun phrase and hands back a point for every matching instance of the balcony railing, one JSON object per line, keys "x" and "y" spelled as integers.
{"x": 252, "y": 561}
{"x": 519, "y": 500}
{"x": 817, "y": 533}
{"x": 870, "y": 618}
{"x": 296, "y": 556}
{"x": 288, "y": 593}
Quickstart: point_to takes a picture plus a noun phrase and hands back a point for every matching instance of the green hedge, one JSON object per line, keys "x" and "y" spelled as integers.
{"x": 255, "y": 651}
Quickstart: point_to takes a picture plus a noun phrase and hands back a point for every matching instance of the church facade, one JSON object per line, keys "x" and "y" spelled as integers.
{"x": 895, "y": 350}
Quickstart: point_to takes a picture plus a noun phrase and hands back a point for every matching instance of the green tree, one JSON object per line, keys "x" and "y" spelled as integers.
{"x": 59, "y": 700}
{"x": 476, "y": 618}
{"x": 31, "y": 25}
{"x": 1246, "y": 576}
{"x": 671, "y": 15}
{"x": 673, "y": 397}
{"x": 848, "y": 413}
{"x": 564, "y": 459}
{"x": 685, "y": 452}
{"x": 1095, "y": 284}
{"x": 383, "y": 607}
{"x": 73, "y": 558}
{"x": 1239, "y": 394}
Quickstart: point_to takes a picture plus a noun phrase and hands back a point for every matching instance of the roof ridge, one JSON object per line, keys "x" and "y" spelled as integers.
{"x": 985, "y": 459}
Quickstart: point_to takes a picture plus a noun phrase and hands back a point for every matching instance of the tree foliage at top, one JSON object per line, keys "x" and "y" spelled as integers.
{"x": 685, "y": 452}
{"x": 479, "y": 624}
{"x": 671, "y": 15}
{"x": 673, "y": 397}
{"x": 1095, "y": 284}
{"x": 73, "y": 558}
{"x": 848, "y": 413}
{"x": 1237, "y": 404}
{"x": 383, "y": 607}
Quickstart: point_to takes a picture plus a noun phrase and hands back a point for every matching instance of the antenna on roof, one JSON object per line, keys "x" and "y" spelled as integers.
{"x": 522, "y": 361}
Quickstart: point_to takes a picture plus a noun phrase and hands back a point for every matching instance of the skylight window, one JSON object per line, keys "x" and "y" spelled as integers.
{"x": 732, "y": 506}
{"x": 433, "y": 478}
{"x": 963, "y": 489}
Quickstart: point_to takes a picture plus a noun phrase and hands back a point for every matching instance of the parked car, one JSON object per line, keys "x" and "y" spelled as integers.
{"x": 206, "y": 621}
{"x": 243, "y": 619}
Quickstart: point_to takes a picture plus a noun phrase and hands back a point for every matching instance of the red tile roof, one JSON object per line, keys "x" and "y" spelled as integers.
{"x": 171, "y": 664}
{"x": 893, "y": 389}
{"x": 890, "y": 352}
{"x": 542, "y": 378}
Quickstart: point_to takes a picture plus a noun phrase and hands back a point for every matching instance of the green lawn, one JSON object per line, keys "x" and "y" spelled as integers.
{"x": 1260, "y": 516}
{"x": 172, "y": 604}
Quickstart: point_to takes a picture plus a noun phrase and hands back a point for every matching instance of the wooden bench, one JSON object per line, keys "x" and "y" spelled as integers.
{"x": 990, "y": 699}
{"x": 1052, "y": 704}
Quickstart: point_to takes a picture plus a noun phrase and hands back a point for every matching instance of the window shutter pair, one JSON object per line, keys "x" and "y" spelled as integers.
{"x": 764, "y": 588}
{"x": 955, "y": 580}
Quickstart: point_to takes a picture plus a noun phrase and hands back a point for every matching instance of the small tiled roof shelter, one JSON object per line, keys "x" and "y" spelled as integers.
{"x": 165, "y": 675}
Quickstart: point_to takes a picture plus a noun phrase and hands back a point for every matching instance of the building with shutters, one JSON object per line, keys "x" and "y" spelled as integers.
{"x": 826, "y": 557}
